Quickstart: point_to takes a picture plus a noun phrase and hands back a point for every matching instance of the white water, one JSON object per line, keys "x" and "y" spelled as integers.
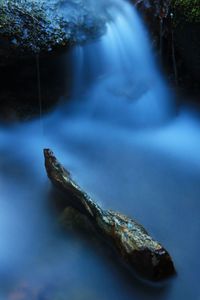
{"x": 151, "y": 173}
{"x": 123, "y": 68}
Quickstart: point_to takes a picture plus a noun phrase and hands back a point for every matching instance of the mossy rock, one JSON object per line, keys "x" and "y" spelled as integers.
{"x": 39, "y": 26}
{"x": 186, "y": 11}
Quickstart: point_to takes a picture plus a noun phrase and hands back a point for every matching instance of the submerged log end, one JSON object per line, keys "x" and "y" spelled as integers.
{"x": 139, "y": 250}
{"x": 155, "y": 266}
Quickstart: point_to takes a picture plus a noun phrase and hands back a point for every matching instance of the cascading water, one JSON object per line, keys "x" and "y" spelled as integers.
{"x": 149, "y": 173}
{"x": 122, "y": 69}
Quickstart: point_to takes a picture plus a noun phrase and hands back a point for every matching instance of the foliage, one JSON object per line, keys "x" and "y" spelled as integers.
{"x": 187, "y": 10}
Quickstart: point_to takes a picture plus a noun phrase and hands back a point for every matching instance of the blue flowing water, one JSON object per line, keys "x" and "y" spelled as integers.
{"x": 121, "y": 140}
{"x": 123, "y": 67}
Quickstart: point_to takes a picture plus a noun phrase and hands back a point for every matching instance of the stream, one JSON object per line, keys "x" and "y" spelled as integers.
{"x": 131, "y": 147}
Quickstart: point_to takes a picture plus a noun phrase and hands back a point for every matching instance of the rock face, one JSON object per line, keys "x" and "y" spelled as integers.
{"x": 175, "y": 26}
{"x": 154, "y": 12}
{"x": 35, "y": 26}
{"x": 38, "y": 30}
{"x": 186, "y": 23}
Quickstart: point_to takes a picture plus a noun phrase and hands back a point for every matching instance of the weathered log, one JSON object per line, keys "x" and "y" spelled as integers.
{"x": 134, "y": 245}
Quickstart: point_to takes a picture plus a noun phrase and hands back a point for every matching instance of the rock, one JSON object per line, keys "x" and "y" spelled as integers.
{"x": 40, "y": 26}
{"x": 174, "y": 26}
{"x": 186, "y": 19}
{"x": 43, "y": 29}
{"x": 154, "y": 12}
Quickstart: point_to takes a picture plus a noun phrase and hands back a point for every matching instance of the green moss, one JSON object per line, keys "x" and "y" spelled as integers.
{"x": 186, "y": 10}
{"x": 35, "y": 26}
{"x": 27, "y": 26}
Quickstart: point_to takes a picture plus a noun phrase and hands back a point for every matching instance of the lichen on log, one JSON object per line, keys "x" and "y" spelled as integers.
{"x": 132, "y": 242}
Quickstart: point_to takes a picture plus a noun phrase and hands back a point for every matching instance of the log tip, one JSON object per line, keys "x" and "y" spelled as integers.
{"x": 165, "y": 268}
{"x": 47, "y": 152}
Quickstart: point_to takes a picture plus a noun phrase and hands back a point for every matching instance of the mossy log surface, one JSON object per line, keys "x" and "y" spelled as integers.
{"x": 137, "y": 249}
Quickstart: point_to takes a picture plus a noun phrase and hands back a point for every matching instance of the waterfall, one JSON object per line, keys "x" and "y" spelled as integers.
{"x": 117, "y": 74}
{"x": 102, "y": 136}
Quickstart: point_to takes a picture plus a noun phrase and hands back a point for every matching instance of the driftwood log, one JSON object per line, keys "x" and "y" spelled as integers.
{"x": 135, "y": 246}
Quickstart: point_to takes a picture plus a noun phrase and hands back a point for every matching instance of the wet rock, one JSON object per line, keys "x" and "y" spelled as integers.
{"x": 155, "y": 14}
{"x": 174, "y": 26}
{"x": 40, "y": 26}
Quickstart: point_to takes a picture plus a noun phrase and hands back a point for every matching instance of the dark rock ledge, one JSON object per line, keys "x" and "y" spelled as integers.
{"x": 40, "y": 26}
